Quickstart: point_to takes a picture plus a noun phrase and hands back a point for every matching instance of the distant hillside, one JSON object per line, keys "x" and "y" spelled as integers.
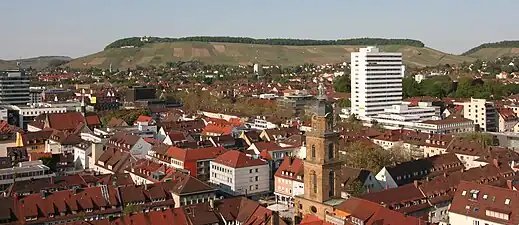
{"x": 237, "y": 53}
{"x": 36, "y": 63}
{"x": 141, "y": 41}
{"x": 489, "y": 51}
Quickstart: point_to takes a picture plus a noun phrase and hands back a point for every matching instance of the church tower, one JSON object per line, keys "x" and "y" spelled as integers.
{"x": 322, "y": 163}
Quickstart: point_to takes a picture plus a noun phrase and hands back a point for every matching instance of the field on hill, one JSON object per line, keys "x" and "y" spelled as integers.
{"x": 36, "y": 63}
{"x": 234, "y": 53}
{"x": 494, "y": 53}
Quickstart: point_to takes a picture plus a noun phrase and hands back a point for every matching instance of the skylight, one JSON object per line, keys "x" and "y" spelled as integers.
{"x": 507, "y": 201}
{"x": 464, "y": 193}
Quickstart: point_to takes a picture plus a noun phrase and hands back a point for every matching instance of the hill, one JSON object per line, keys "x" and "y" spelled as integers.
{"x": 489, "y": 51}
{"x": 159, "y": 53}
{"x": 36, "y": 62}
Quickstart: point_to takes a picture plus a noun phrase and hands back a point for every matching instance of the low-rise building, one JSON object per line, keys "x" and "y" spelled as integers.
{"x": 507, "y": 119}
{"x": 24, "y": 171}
{"x": 453, "y": 125}
{"x": 405, "y": 117}
{"x": 481, "y": 204}
{"x": 289, "y": 180}
{"x": 238, "y": 174}
{"x": 407, "y": 172}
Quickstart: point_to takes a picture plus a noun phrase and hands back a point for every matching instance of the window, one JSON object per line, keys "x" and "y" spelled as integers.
{"x": 314, "y": 180}
{"x": 330, "y": 151}
{"x": 313, "y": 151}
{"x": 257, "y": 170}
{"x": 257, "y": 187}
{"x": 476, "y": 222}
{"x": 256, "y": 178}
{"x": 250, "y": 171}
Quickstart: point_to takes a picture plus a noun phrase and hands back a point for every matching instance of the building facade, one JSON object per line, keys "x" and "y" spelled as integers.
{"x": 376, "y": 81}
{"x": 237, "y": 174}
{"x": 320, "y": 188}
{"x": 483, "y": 113}
{"x": 14, "y": 87}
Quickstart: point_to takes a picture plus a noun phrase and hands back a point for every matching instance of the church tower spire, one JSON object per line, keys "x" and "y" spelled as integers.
{"x": 322, "y": 158}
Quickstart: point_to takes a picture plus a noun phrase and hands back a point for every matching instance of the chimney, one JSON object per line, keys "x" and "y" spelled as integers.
{"x": 274, "y": 219}
{"x": 52, "y": 180}
{"x": 43, "y": 194}
{"x": 383, "y": 204}
{"x": 496, "y": 163}
{"x": 145, "y": 186}
{"x": 211, "y": 203}
{"x": 509, "y": 184}
{"x": 415, "y": 182}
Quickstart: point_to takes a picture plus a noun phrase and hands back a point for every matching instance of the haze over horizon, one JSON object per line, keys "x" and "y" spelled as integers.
{"x": 78, "y": 28}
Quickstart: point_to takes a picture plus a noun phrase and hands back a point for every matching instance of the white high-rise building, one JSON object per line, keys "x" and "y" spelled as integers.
{"x": 376, "y": 81}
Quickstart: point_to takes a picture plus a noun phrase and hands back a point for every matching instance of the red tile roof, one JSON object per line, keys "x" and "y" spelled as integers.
{"x": 237, "y": 159}
{"x": 187, "y": 155}
{"x": 38, "y": 205}
{"x": 477, "y": 200}
{"x": 291, "y": 168}
{"x": 217, "y": 129}
{"x": 313, "y": 220}
{"x": 65, "y": 121}
{"x": 142, "y": 118}
{"x": 373, "y": 214}
{"x": 507, "y": 114}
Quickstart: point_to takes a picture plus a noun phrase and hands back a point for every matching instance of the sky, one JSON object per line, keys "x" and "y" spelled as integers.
{"x": 76, "y": 28}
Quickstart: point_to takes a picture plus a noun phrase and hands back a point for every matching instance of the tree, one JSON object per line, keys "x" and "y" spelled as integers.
{"x": 485, "y": 139}
{"x": 50, "y": 162}
{"x": 342, "y": 84}
{"x": 344, "y": 103}
{"x": 356, "y": 188}
{"x": 410, "y": 87}
{"x": 373, "y": 158}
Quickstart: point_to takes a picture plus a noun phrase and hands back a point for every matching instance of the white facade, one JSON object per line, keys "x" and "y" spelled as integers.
{"x": 240, "y": 181}
{"x": 385, "y": 179}
{"x": 376, "y": 81}
{"x": 458, "y": 219}
{"x": 483, "y": 113}
{"x": 25, "y": 171}
{"x": 27, "y": 113}
{"x": 403, "y": 116}
{"x": 260, "y": 123}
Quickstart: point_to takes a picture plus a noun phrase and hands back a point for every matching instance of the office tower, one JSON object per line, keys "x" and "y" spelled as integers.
{"x": 376, "y": 81}
{"x": 14, "y": 88}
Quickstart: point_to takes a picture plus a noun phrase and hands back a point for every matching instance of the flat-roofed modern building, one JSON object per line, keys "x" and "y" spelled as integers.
{"x": 376, "y": 81}
{"x": 14, "y": 87}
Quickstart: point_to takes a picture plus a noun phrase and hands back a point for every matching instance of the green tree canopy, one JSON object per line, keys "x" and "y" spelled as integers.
{"x": 342, "y": 84}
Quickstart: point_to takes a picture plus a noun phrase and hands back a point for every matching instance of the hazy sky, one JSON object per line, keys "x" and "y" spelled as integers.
{"x": 79, "y": 27}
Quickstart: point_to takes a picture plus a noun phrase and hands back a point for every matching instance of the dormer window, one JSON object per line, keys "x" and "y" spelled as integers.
{"x": 89, "y": 210}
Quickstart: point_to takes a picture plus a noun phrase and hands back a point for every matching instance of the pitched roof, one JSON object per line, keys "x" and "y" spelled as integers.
{"x": 143, "y": 118}
{"x": 174, "y": 216}
{"x": 217, "y": 129}
{"x": 116, "y": 122}
{"x": 425, "y": 167}
{"x": 313, "y": 220}
{"x": 38, "y": 205}
{"x": 507, "y": 114}
{"x": 237, "y": 159}
{"x": 291, "y": 168}
{"x": 186, "y": 155}
{"x": 483, "y": 201}
{"x": 65, "y": 121}
{"x": 374, "y": 214}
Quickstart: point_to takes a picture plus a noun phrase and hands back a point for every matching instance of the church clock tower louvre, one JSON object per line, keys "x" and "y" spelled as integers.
{"x": 322, "y": 161}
